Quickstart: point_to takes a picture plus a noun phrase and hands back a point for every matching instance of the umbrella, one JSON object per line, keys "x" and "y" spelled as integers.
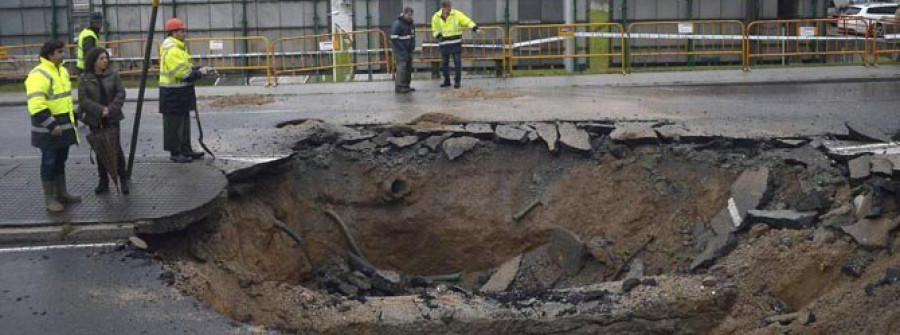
{"x": 105, "y": 143}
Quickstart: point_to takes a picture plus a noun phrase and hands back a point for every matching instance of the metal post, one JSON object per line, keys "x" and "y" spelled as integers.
{"x": 245, "y": 32}
{"x": 316, "y": 17}
{"x": 54, "y": 26}
{"x": 105, "y": 19}
{"x": 140, "y": 102}
{"x": 690, "y": 16}
{"x": 569, "y": 12}
{"x": 369, "y": 39}
{"x": 174, "y": 9}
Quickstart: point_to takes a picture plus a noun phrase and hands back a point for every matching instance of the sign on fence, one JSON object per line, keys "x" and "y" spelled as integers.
{"x": 217, "y": 45}
{"x": 685, "y": 28}
{"x": 807, "y": 31}
{"x": 326, "y": 46}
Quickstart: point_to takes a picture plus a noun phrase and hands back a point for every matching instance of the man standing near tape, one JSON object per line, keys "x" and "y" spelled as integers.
{"x": 403, "y": 40}
{"x": 447, "y": 26}
{"x": 177, "y": 98}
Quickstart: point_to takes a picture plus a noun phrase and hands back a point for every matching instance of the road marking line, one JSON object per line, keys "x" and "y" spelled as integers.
{"x": 56, "y": 247}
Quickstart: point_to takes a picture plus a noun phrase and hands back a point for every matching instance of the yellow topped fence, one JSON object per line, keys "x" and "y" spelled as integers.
{"x": 592, "y": 47}
{"x": 231, "y": 54}
{"x": 808, "y": 41}
{"x": 334, "y": 56}
{"x": 17, "y": 60}
{"x": 487, "y": 45}
{"x": 127, "y": 56}
{"x": 658, "y": 45}
{"x": 886, "y": 41}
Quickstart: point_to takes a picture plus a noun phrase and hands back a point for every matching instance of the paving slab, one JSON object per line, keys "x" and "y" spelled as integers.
{"x": 860, "y": 168}
{"x": 572, "y": 137}
{"x": 164, "y": 196}
{"x": 634, "y": 132}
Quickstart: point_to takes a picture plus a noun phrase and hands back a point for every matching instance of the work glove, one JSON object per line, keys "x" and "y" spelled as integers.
{"x": 205, "y": 70}
{"x": 439, "y": 36}
{"x": 475, "y": 29}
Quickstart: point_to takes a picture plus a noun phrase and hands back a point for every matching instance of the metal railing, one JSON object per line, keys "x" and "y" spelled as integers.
{"x": 816, "y": 41}
{"x": 665, "y": 44}
{"x": 340, "y": 54}
{"x": 16, "y": 61}
{"x": 232, "y": 54}
{"x": 885, "y": 37}
{"x": 127, "y": 56}
{"x": 484, "y": 47}
{"x": 590, "y": 47}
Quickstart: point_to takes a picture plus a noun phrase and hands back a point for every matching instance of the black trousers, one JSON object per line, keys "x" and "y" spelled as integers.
{"x": 404, "y": 73}
{"x": 451, "y": 50}
{"x": 53, "y": 162}
{"x": 177, "y": 133}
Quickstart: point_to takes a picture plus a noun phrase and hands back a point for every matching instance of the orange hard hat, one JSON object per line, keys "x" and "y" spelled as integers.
{"x": 174, "y": 24}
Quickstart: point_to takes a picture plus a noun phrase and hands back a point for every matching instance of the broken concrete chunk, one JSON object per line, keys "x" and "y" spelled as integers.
{"x": 856, "y": 264}
{"x": 681, "y": 134}
{"x": 479, "y": 129}
{"x": 637, "y": 133}
{"x": 390, "y": 276}
{"x": 710, "y": 281}
{"x": 718, "y": 246}
{"x": 784, "y": 319}
{"x": 361, "y": 146}
{"x": 872, "y": 233}
{"x": 428, "y": 128}
{"x": 747, "y": 193}
{"x": 635, "y": 269}
{"x": 860, "y": 168}
{"x": 789, "y": 143}
{"x": 882, "y": 166}
{"x": 510, "y": 133}
{"x": 573, "y": 137}
{"x": 864, "y": 132}
{"x": 837, "y": 217}
{"x": 548, "y": 133}
{"x": 434, "y": 142}
{"x": 783, "y": 219}
{"x": 504, "y": 276}
{"x": 567, "y": 250}
{"x": 597, "y": 128}
{"x": 455, "y": 147}
{"x": 809, "y": 157}
{"x": 403, "y": 142}
{"x": 895, "y": 161}
{"x": 138, "y": 242}
{"x": 629, "y": 284}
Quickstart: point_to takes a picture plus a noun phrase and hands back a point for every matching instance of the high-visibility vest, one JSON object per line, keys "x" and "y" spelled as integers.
{"x": 452, "y": 26}
{"x": 174, "y": 63}
{"x": 85, "y": 33}
{"x": 48, "y": 88}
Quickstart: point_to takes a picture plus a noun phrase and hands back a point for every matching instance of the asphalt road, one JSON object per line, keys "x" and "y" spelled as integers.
{"x": 731, "y": 110}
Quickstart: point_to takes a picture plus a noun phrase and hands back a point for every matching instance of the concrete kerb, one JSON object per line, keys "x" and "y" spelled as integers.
{"x": 686, "y": 78}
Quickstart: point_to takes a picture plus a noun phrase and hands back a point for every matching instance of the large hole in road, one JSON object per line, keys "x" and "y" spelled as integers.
{"x": 387, "y": 233}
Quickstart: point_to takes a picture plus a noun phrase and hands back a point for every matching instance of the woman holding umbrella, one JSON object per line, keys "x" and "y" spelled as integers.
{"x": 100, "y": 99}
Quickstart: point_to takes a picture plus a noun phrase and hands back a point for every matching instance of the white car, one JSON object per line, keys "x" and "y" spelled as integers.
{"x": 867, "y": 15}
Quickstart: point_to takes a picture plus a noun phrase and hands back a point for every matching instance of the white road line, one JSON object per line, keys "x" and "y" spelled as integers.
{"x": 57, "y": 247}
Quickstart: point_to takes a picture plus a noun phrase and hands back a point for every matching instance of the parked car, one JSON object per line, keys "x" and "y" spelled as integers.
{"x": 867, "y": 15}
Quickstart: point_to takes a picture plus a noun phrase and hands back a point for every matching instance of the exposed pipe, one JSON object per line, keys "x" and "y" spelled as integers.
{"x": 140, "y": 102}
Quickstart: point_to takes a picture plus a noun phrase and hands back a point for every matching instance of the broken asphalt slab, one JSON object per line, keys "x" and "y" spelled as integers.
{"x": 457, "y": 146}
{"x": 782, "y": 219}
{"x": 572, "y": 137}
{"x": 872, "y": 233}
{"x": 634, "y": 133}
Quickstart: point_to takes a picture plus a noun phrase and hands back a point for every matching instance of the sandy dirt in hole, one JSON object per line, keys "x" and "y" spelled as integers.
{"x": 242, "y": 100}
{"x": 457, "y": 219}
{"x": 437, "y": 118}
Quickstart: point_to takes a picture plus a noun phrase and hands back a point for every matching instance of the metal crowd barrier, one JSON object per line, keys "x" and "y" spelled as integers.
{"x": 231, "y": 54}
{"x": 886, "y": 40}
{"x": 486, "y": 46}
{"x": 17, "y": 60}
{"x": 339, "y": 53}
{"x": 685, "y": 43}
{"x": 842, "y": 40}
{"x": 594, "y": 47}
{"x": 127, "y": 56}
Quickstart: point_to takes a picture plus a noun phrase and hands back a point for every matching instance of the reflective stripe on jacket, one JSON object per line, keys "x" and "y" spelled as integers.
{"x": 49, "y": 94}
{"x": 403, "y": 39}
{"x": 175, "y": 63}
{"x": 452, "y": 26}
{"x": 85, "y": 33}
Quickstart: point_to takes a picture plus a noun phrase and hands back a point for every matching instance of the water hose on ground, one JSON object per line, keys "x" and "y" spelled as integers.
{"x": 297, "y": 239}
{"x": 337, "y": 219}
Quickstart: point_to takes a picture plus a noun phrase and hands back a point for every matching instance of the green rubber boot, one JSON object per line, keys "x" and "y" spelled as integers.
{"x": 62, "y": 194}
{"x": 50, "y": 202}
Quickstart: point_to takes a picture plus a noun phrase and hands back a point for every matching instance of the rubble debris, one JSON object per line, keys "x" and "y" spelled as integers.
{"x": 860, "y": 168}
{"x": 710, "y": 281}
{"x": 872, "y": 233}
{"x": 631, "y": 257}
{"x": 634, "y": 133}
{"x": 434, "y": 142}
{"x": 812, "y": 199}
{"x": 539, "y": 270}
{"x": 783, "y": 219}
{"x": 718, "y": 246}
{"x": 361, "y": 146}
{"x": 457, "y": 146}
{"x": 863, "y": 132}
{"x": 891, "y": 277}
{"x": 480, "y": 130}
{"x": 895, "y": 162}
{"x": 783, "y": 319}
{"x": 789, "y": 143}
{"x": 629, "y": 284}
{"x": 883, "y": 166}
{"x": 572, "y": 137}
{"x": 504, "y": 276}
{"x": 138, "y": 242}
{"x": 527, "y": 209}
{"x": 597, "y": 128}
{"x": 403, "y": 142}
{"x": 747, "y": 192}
{"x": 837, "y": 217}
{"x": 510, "y": 133}
{"x": 855, "y": 265}
{"x": 566, "y": 249}
{"x": 845, "y": 150}
{"x": 548, "y": 133}
{"x": 680, "y": 134}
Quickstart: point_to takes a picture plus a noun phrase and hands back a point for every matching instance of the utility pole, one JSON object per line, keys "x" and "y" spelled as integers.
{"x": 569, "y": 12}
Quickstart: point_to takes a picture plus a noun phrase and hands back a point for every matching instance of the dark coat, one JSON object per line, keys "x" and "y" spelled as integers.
{"x": 177, "y": 100}
{"x": 90, "y": 103}
{"x": 403, "y": 39}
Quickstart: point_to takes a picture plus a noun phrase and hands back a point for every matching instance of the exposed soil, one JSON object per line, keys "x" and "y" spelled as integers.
{"x": 242, "y": 100}
{"x": 481, "y": 93}
{"x": 413, "y": 211}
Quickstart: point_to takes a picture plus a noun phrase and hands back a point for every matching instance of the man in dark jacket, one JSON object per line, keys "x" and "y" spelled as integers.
{"x": 403, "y": 40}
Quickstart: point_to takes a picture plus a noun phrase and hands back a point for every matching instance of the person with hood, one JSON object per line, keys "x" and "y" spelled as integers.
{"x": 88, "y": 39}
{"x": 403, "y": 41}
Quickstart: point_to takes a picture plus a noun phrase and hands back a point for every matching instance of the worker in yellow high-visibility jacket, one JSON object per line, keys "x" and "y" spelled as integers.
{"x": 177, "y": 98}
{"x": 53, "y": 129}
{"x": 88, "y": 39}
{"x": 446, "y": 25}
